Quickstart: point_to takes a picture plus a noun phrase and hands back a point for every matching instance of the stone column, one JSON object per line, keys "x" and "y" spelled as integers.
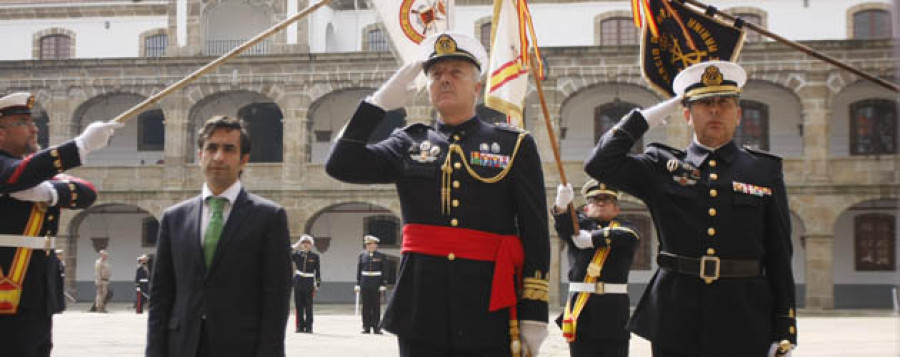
{"x": 554, "y": 275}
{"x": 177, "y": 147}
{"x": 819, "y": 271}
{"x": 814, "y": 99}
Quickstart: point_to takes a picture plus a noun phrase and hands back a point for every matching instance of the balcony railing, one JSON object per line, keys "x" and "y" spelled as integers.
{"x": 220, "y": 47}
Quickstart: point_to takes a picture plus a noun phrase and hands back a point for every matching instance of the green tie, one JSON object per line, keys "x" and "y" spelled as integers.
{"x": 214, "y": 229}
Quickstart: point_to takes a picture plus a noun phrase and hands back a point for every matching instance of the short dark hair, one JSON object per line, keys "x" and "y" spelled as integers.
{"x": 228, "y": 123}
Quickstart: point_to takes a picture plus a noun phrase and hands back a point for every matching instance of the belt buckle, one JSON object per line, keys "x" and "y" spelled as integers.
{"x": 599, "y": 288}
{"x": 709, "y": 279}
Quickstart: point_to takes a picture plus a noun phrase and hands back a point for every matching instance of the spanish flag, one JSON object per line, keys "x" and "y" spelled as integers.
{"x": 512, "y": 36}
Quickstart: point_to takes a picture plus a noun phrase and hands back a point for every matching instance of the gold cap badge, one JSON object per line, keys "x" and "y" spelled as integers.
{"x": 444, "y": 45}
{"x": 712, "y": 76}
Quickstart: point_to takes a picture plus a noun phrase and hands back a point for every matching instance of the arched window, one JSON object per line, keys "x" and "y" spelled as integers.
{"x": 265, "y": 129}
{"x": 486, "y": 35}
{"x": 751, "y": 36}
{"x": 872, "y": 24}
{"x": 43, "y": 124}
{"x": 754, "y": 129}
{"x": 618, "y": 31}
{"x": 873, "y": 127}
{"x": 56, "y": 47}
{"x": 377, "y": 41}
{"x": 155, "y": 46}
{"x": 607, "y": 115}
{"x": 151, "y": 131}
{"x": 149, "y": 231}
{"x": 875, "y": 237}
{"x": 385, "y": 227}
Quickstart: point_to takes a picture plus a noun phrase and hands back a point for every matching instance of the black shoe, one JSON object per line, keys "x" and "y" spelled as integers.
{"x": 378, "y": 332}
{"x": 365, "y": 331}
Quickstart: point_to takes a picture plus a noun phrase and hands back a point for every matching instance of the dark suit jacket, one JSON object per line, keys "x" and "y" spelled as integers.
{"x": 242, "y": 298}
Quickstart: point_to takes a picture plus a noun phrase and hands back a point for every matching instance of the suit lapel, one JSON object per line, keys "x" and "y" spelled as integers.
{"x": 239, "y": 212}
{"x": 192, "y": 229}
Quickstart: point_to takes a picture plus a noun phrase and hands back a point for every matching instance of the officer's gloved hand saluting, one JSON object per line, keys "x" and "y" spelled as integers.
{"x": 392, "y": 94}
{"x": 96, "y": 136}
{"x": 657, "y": 114}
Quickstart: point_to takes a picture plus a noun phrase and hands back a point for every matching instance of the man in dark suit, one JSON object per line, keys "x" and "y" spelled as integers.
{"x": 476, "y": 248}
{"x": 724, "y": 286}
{"x": 222, "y": 276}
{"x": 600, "y": 255}
{"x": 307, "y": 278}
{"x": 33, "y": 189}
{"x": 371, "y": 278}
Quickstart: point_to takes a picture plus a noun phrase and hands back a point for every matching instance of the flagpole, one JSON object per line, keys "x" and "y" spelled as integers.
{"x": 553, "y": 143}
{"x": 802, "y": 48}
{"x": 212, "y": 65}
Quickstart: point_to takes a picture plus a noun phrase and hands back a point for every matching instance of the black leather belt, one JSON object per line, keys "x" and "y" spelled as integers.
{"x": 710, "y": 267}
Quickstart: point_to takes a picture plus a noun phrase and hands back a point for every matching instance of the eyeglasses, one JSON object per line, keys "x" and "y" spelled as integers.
{"x": 20, "y": 122}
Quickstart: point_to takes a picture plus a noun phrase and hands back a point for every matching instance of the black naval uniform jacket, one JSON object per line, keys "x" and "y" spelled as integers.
{"x": 605, "y": 315}
{"x": 731, "y": 204}
{"x": 306, "y": 262}
{"x": 439, "y": 300}
{"x": 42, "y": 291}
{"x": 377, "y": 261}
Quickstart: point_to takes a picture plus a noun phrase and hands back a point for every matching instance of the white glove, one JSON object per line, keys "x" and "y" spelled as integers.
{"x": 392, "y": 94}
{"x": 43, "y": 192}
{"x": 657, "y": 114}
{"x": 773, "y": 351}
{"x": 533, "y": 334}
{"x": 96, "y": 135}
{"x": 382, "y": 288}
{"x": 564, "y": 195}
{"x": 583, "y": 240}
{"x": 356, "y": 289}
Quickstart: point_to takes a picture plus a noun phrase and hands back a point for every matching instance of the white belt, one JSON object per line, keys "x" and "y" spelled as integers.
{"x": 305, "y": 275}
{"x": 144, "y": 280}
{"x": 44, "y": 243}
{"x": 371, "y": 273}
{"x": 598, "y": 288}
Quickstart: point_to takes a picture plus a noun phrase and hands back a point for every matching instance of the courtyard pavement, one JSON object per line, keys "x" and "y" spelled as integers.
{"x": 77, "y": 333}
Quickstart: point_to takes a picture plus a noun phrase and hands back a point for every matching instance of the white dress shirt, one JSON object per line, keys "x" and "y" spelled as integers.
{"x": 229, "y": 194}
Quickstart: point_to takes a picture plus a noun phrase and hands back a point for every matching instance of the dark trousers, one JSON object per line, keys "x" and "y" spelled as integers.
{"x": 141, "y": 302}
{"x": 203, "y": 342}
{"x": 371, "y": 309}
{"x": 26, "y": 334}
{"x": 589, "y": 348}
{"x": 411, "y": 348}
{"x": 659, "y": 351}
{"x": 303, "y": 302}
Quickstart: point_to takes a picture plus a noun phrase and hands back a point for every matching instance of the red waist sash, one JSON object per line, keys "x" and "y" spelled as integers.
{"x": 504, "y": 250}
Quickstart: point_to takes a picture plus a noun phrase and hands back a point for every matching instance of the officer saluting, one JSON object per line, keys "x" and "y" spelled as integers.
{"x": 307, "y": 278}
{"x": 725, "y": 285}
{"x": 600, "y": 255}
{"x": 475, "y": 239}
{"x": 371, "y": 278}
{"x": 33, "y": 189}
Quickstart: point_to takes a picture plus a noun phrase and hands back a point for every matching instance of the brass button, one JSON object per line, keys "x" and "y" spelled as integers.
{"x": 451, "y": 256}
{"x": 711, "y": 231}
{"x": 72, "y": 186}
{"x": 455, "y": 203}
{"x": 456, "y": 137}
{"x": 713, "y": 193}
{"x": 713, "y": 176}
{"x": 454, "y": 222}
{"x": 710, "y": 251}
{"x": 455, "y": 184}
{"x": 792, "y": 330}
{"x": 50, "y": 218}
{"x": 54, "y": 153}
{"x": 791, "y": 313}
{"x": 74, "y": 196}
{"x": 712, "y": 163}
{"x": 712, "y": 212}
{"x": 57, "y": 164}
{"x": 457, "y": 165}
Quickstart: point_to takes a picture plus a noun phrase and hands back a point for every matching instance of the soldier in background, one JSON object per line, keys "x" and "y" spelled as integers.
{"x": 102, "y": 274}
{"x": 307, "y": 278}
{"x": 600, "y": 255}
{"x": 142, "y": 284}
{"x": 370, "y": 283}
{"x": 33, "y": 190}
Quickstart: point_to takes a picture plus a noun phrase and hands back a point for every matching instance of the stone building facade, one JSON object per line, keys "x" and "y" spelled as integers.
{"x": 296, "y": 101}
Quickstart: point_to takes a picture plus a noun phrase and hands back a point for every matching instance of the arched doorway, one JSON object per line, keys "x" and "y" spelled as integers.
{"x": 865, "y": 254}
{"x": 262, "y": 117}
